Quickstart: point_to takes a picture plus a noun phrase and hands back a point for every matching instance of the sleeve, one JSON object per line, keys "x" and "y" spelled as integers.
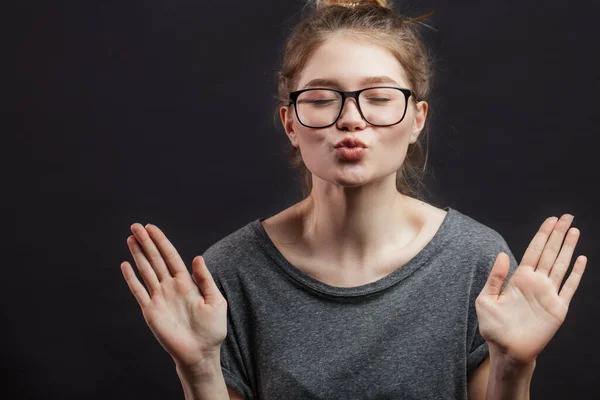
{"x": 232, "y": 364}
{"x": 477, "y": 346}
{"x": 232, "y": 359}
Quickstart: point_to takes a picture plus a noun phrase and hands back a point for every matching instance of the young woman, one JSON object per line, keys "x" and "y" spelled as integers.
{"x": 361, "y": 290}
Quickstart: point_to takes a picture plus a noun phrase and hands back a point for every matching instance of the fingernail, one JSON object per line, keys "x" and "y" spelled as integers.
{"x": 147, "y": 225}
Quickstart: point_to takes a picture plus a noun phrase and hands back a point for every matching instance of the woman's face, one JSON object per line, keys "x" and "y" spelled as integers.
{"x": 349, "y": 63}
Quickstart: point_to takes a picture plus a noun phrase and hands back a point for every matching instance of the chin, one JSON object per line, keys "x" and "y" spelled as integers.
{"x": 350, "y": 175}
{"x": 349, "y": 182}
{"x": 352, "y": 182}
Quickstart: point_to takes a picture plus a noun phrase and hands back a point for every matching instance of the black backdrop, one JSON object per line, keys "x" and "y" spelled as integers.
{"x": 162, "y": 112}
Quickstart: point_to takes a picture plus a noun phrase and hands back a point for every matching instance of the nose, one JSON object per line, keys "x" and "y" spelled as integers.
{"x": 350, "y": 118}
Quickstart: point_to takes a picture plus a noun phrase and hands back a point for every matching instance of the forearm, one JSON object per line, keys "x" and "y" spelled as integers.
{"x": 507, "y": 380}
{"x": 207, "y": 383}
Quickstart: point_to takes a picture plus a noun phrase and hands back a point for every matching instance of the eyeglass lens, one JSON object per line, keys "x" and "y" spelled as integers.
{"x": 380, "y": 106}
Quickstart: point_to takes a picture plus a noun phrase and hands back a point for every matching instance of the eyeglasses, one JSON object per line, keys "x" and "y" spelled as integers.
{"x": 379, "y": 106}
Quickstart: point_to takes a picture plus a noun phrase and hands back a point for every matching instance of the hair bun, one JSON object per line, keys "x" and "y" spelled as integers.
{"x": 351, "y": 3}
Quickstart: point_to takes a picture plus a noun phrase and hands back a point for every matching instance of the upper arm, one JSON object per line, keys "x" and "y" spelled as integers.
{"x": 478, "y": 381}
{"x": 233, "y": 395}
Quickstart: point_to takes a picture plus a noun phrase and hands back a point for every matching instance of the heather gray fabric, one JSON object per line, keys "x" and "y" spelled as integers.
{"x": 410, "y": 335}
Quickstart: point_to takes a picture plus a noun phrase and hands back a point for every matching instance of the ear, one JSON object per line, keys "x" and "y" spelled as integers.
{"x": 285, "y": 113}
{"x": 420, "y": 118}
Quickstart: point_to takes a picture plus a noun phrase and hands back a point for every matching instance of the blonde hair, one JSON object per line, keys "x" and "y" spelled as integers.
{"x": 376, "y": 22}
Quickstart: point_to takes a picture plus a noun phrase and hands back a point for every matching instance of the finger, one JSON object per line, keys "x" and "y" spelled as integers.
{"x": 572, "y": 282}
{"x": 552, "y": 248}
{"x": 205, "y": 282}
{"x": 138, "y": 290}
{"x": 148, "y": 275}
{"x": 151, "y": 252}
{"x": 168, "y": 251}
{"x": 497, "y": 276}
{"x": 564, "y": 258}
{"x": 534, "y": 250}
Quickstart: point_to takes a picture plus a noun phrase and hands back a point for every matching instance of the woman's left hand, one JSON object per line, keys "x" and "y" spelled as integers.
{"x": 521, "y": 321}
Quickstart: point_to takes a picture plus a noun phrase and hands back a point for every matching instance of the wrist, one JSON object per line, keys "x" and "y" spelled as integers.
{"x": 505, "y": 368}
{"x": 205, "y": 369}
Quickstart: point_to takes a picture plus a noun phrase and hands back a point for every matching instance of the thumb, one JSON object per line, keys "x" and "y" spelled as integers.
{"x": 205, "y": 282}
{"x": 497, "y": 276}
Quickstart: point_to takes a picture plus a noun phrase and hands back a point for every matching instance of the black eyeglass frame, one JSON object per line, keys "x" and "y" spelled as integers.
{"x": 345, "y": 95}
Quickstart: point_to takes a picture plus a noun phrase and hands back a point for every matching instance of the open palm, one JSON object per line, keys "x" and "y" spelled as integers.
{"x": 188, "y": 323}
{"x": 521, "y": 321}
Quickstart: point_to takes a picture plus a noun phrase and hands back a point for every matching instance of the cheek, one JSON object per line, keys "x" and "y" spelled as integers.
{"x": 310, "y": 140}
{"x": 313, "y": 146}
{"x": 397, "y": 139}
{"x": 392, "y": 148}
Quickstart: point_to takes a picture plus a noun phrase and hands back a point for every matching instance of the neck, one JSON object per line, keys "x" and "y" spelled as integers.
{"x": 350, "y": 227}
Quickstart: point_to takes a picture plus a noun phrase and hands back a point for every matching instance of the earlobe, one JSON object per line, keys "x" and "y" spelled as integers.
{"x": 288, "y": 125}
{"x": 293, "y": 139}
{"x": 414, "y": 137}
{"x": 420, "y": 117}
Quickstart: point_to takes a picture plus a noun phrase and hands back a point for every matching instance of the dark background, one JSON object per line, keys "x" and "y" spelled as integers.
{"x": 162, "y": 112}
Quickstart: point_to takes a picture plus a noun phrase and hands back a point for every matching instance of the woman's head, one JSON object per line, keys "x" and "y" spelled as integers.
{"x": 347, "y": 44}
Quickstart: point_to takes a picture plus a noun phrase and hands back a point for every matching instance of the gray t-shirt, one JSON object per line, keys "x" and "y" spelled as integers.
{"x": 410, "y": 335}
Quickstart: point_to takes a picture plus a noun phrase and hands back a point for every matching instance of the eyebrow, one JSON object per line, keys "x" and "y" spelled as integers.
{"x": 334, "y": 83}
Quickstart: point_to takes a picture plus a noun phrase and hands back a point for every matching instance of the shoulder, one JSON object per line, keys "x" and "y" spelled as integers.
{"x": 472, "y": 234}
{"x": 460, "y": 232}
{"x": 227, "y": 252}
{"x": 479, "y": 244}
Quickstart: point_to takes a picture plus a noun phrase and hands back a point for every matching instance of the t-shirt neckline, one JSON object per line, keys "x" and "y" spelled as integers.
{"x": 394, "y": 277}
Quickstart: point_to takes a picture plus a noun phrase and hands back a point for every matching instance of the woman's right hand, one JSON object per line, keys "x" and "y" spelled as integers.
{"x": 188, "y": 319}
